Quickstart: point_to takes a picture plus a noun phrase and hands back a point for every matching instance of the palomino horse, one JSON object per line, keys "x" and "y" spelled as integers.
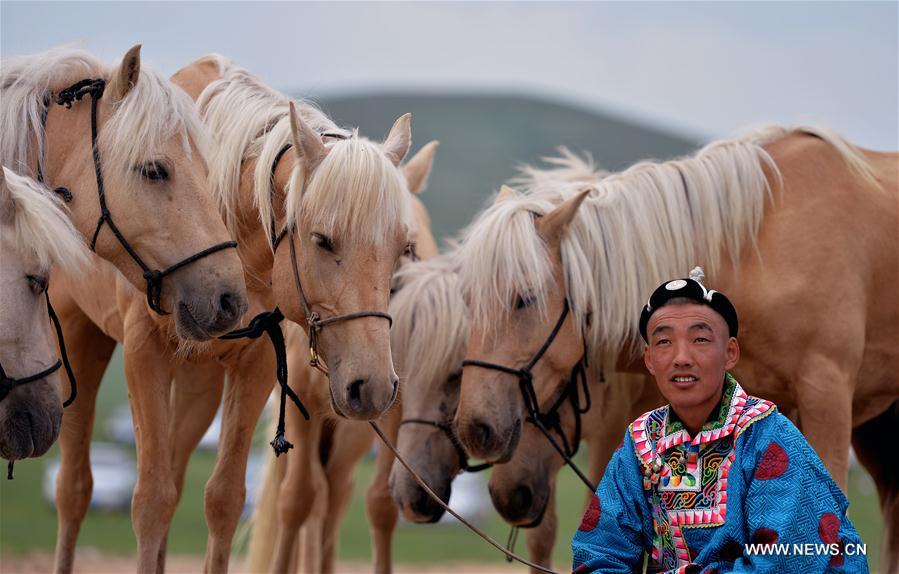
{"x": 311, "y": 489}
{"x": 348, "y": 212}
{"x": 141, "y": 199}
{"x": 782, "y": 220}
{"x": 523, "y": 489}
{"x": 35, "y": 234}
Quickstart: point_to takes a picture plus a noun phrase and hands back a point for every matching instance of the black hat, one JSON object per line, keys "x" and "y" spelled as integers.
{"x": 690, "y": 288}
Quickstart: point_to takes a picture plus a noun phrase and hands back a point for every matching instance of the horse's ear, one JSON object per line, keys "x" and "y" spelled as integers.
{"x": 126, "y": 75}
{"x": 505, "y": 193}
{"x": 419, "y": 167}
{"x": 306, "y": 143}
{"x": 554, "y": 224}
{"x": 396, "y": 146}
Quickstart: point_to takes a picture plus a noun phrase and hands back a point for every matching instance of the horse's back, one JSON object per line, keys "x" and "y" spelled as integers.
{"x": 824, "y": 280}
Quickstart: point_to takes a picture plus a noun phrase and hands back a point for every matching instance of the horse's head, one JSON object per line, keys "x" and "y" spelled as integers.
{"x": 521, "y": 488}
{"x": 351, "y": 215}
{"x": 151, "y": 159}
{"x": 523, "y": 327}
{"x": 35, "y": 232}
{"x": 428, "y": 337}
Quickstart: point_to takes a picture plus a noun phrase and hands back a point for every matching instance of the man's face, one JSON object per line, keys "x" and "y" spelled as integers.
{"x": 689, "y": 349}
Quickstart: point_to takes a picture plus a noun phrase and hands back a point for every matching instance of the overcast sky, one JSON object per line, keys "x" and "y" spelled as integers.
{"x": 706, "y": 69}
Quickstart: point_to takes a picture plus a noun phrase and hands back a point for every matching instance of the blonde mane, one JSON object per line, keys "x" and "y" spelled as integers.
{"x": 430, "y": 320}
{"x": 151, "y": 113}
{"x": 251, "y": 122}
{"x": 635, "y": 229}
{"x": 43, "y": 230}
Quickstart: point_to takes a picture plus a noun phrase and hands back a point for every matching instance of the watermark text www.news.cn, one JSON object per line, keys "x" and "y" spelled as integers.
{"x": 833, "y": 549}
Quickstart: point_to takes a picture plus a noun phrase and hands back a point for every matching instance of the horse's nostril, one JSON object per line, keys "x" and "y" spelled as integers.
{"x": 228, "y": 304}
{"x": 482, "y": 432}
{"x": 523, "y": 498}
{"x": 354, "y": 391}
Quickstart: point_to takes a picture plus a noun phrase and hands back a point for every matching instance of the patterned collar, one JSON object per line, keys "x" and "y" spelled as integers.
{"x": 672, "y": 432}
{"x": 716, "y": 416}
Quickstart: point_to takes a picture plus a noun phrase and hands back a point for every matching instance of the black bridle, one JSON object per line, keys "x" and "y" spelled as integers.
{"x": 7, "y": 383}
{"x": 314, "y": 321}
{"x": 153, "y": 277}
{"x": 268, "y": 322}
{"x": 550, "y": 419}
{"x": 447, "y": 429}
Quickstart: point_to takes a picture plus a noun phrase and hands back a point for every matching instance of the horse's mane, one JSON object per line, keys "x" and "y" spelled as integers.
{"x": 43, "y": 229}
{"x": 430, "y": 320}
{"x": 151, "y": 113}
{"x": 635, "y": 229}
{"x": 251, "y": 121}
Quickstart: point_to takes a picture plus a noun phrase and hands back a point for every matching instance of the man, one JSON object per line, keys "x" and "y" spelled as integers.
{"x": 716, "y": 480}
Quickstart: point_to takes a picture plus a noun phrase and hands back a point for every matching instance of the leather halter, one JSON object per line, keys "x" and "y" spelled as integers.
{"x": 447, "y": 429}
{"x": 153, "y": 277}
{"x": 550, "y": 419}
{"x": 314, "y": 321}
{"x": 7, "y": 383}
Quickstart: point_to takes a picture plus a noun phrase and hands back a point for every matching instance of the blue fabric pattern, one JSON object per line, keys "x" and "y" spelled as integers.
{"x": 695, "y": 504}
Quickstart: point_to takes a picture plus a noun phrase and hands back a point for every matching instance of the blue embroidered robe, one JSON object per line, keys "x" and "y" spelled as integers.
{"x": 692, "y": 503}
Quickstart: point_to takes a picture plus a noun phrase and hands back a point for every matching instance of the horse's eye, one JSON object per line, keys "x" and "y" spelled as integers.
{"x": 154, "y": 171}
{"x": 323, "y": 241}
{"x": 409, "y": 251}
{"x": 524, "y": 301}
{"x": 38, "y": 283}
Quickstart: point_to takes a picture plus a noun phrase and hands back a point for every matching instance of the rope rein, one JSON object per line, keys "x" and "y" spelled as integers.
{"x": 433, "y": 495}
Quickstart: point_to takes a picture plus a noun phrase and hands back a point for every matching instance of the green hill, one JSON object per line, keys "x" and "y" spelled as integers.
{"x": 484, "y": 137}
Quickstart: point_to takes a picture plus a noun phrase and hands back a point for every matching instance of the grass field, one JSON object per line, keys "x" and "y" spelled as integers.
{"x": 28, "y": 524}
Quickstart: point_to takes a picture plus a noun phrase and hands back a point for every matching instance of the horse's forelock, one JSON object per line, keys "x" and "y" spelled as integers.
{"x": 503, "y": 257}
{"x": 42, "y": 226}
{"x": 152, "y": 113}
{"x": 430, "y": 328}
{"x": 355, "y": 193}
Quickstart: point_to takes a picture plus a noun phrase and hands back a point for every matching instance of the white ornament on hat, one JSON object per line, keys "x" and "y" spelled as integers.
{"x": 697, "y": 274}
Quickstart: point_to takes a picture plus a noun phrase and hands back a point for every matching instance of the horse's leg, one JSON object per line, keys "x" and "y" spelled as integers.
{"x": 149, "y": 375}
{"x": 351, "y": 441}
{"x": 542, "y": 538}
{"x": 382, "y": 511}
{"x": 89, "y": 352}
{"x": 309, "y": 549}
{"x": 250, "y": 380}
{"x": 195, "y": 399}
{"x": 302, "y": 484}
{"x": 875, "y": 446}
{"x": 265, "y": 512}
{"x": 825, "y": 413}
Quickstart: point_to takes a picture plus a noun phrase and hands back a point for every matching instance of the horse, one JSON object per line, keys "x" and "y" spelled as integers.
{"x": 523, "y": 489}
{"x": 310, "y": 490}
{"x": 140, "y": 197}
{"x": 35, "y": 234}
{"x": 782, "y": 220}
{"x": 347, "y": 220}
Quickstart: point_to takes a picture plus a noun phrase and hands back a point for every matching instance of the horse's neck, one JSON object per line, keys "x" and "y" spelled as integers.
{"x": 254, "y": 238}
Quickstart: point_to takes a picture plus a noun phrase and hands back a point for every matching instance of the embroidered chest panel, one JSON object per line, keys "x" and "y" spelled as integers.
{"x": 684, "y": 477}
